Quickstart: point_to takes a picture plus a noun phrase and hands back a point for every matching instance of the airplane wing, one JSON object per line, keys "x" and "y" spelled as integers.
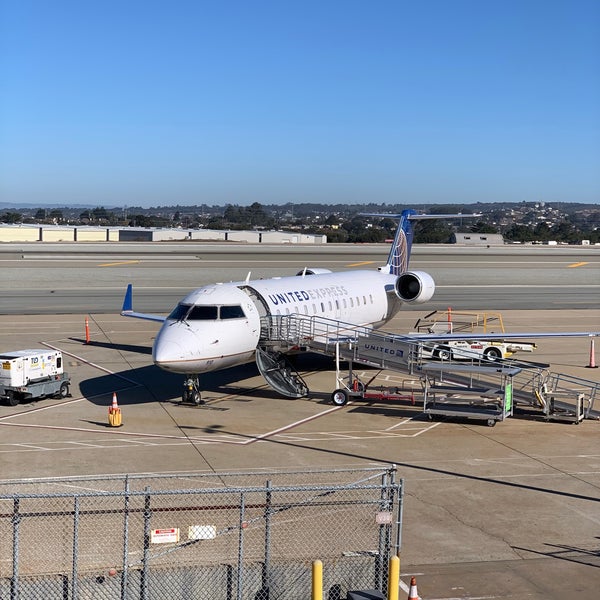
{"x": 127, "y": 310}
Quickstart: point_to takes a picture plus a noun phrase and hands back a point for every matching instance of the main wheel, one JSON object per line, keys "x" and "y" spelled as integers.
{"x": 492, "y": 354}
{"x": 444, "y": 353}
{"x": 12, "y": 398}
{"x": 339, "y": 397}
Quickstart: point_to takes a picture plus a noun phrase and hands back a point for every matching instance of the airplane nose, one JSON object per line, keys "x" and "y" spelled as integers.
{"x": 168, "y": 348}
{"x": 166, "y": 351}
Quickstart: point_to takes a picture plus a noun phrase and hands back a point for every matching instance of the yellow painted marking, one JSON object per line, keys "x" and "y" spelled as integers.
{"x": 579, "y": 264}
{"x": 360, "y": 264}
{"x": 123, "y": 262}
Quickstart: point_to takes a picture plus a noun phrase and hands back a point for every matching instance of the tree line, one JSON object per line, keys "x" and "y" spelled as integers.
{"x": 339, "y": 226}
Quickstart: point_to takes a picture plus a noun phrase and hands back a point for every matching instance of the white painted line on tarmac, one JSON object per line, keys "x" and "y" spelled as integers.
{"x": 87, "y": 444}
{"x": 30, "y": 446}
{"x": 91, "y": 364}
{"x": 466, "y": 598}
{"x": 41, "y": 409}
{"x": 159, "y": 436}
{"x": 292, "y": 425}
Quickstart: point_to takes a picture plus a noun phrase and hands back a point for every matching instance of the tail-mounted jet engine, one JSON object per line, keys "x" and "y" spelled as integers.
{"x": 414, "y": 287}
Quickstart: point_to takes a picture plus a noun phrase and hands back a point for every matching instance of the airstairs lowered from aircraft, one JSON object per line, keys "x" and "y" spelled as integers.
{"x": 477, "y": 388}
{"x": 280, "y": 374}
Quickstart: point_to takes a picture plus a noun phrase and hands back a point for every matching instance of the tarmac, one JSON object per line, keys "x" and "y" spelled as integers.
{"x": 511, "y": 511}
{"x": 503, "y": 512}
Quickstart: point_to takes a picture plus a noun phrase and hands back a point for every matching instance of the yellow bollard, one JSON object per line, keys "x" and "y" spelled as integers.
{"x": 394, "y": 578}
{"x": 317, "y": 580}
{"x": 114, "y": 417}
{"x": 114, "y": 413}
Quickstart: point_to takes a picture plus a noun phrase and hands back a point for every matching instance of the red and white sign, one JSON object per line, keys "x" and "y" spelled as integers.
{"x": 164, "y": 536}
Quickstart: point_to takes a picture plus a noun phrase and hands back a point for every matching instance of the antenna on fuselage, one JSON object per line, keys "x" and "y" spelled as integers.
{"x": 248, "y": 276}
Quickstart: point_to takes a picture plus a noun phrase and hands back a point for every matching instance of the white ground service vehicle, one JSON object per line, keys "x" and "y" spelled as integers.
{"x": 29, "y": 374}
{"x": 474, "y": 350}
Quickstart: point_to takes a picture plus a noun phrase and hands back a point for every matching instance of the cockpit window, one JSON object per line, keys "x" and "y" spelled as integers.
{"x": 203, "y": 313}
{"x": 232, "y": 312}
{"x": 179, "y": 312}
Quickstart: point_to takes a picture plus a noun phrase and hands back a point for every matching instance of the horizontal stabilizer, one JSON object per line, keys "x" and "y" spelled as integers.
{"x": 399, "y": 256}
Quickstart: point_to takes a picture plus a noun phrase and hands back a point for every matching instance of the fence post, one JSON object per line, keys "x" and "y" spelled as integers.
{"x": 384, "y": 533}
{"x": 242, "y": 526}
{"x": 75, "y": 548}
{"x": 144, "y": 573}
{"x": 14, "y": 580}
{"x": 124, "y": 573}
{"x": 399, "y": 519}
{"x": 266, "y": 569}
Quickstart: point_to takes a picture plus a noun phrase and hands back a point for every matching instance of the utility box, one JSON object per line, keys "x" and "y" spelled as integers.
{"x": 21, "y": 367}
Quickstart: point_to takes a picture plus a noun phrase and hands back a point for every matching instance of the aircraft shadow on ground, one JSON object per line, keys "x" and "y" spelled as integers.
{"x": 162, "y": 386}
{"x": 157, "y": 385}
{"x": 113, "y": 346}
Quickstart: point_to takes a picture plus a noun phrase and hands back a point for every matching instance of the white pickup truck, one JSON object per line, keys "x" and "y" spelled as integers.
{"x": 474, "y": 350}
{"x": 30, "y": 374}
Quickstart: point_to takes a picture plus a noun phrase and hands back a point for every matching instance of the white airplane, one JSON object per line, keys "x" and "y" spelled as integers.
{"x": 218, "y": 326}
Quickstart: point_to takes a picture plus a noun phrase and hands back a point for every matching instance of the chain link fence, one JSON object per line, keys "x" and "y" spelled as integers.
{"x": 218, "y": 536}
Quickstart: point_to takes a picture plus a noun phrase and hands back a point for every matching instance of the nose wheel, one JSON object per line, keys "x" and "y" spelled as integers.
{"x": 191, "y": 391}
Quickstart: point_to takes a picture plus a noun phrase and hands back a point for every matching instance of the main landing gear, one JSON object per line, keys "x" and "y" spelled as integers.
{"x": 191, "y": 391}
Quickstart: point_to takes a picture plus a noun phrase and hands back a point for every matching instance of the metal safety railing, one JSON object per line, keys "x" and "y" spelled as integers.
{"x": 377, "y": 348}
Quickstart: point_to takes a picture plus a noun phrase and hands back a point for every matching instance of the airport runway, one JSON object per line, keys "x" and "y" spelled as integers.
{"x": 504, "y": 512}
{"x": 68, "y": 278}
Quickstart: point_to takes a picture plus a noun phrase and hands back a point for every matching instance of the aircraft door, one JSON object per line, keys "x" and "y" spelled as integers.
{"x": 263, "y": 310}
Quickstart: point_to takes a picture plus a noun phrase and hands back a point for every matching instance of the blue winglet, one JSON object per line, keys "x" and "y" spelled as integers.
{"x": 127, "y": 310}
{"x": 128, "y": 300}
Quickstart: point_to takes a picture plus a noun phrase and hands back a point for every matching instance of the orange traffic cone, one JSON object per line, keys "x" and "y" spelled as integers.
{"x": 592, "y": 363}
{"x": 115, "y": 405}
{"x": 412, "y": 592}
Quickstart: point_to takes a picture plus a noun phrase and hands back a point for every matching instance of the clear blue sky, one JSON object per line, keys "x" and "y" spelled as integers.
{"x": 147, "y": 103}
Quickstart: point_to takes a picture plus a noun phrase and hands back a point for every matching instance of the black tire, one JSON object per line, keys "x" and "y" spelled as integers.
{"x": 492, "y": 354}
{"x": 339, "y": 397}
{"x": 12, "y": 399}
{"x": 63, "y": 392}
{"x": 444, "y": 353}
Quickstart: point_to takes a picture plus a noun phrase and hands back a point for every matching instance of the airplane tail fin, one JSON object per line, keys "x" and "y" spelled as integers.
{"x": 399, "y": 256}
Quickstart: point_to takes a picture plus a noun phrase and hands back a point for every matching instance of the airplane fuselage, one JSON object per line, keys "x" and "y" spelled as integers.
{"x": 219, "y": 325}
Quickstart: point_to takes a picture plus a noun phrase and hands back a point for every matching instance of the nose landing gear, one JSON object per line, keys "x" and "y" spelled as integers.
{"x": 191, "y": 391}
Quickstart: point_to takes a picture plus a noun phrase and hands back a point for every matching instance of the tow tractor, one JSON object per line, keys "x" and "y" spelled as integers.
{"x": 474, "y": 349}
